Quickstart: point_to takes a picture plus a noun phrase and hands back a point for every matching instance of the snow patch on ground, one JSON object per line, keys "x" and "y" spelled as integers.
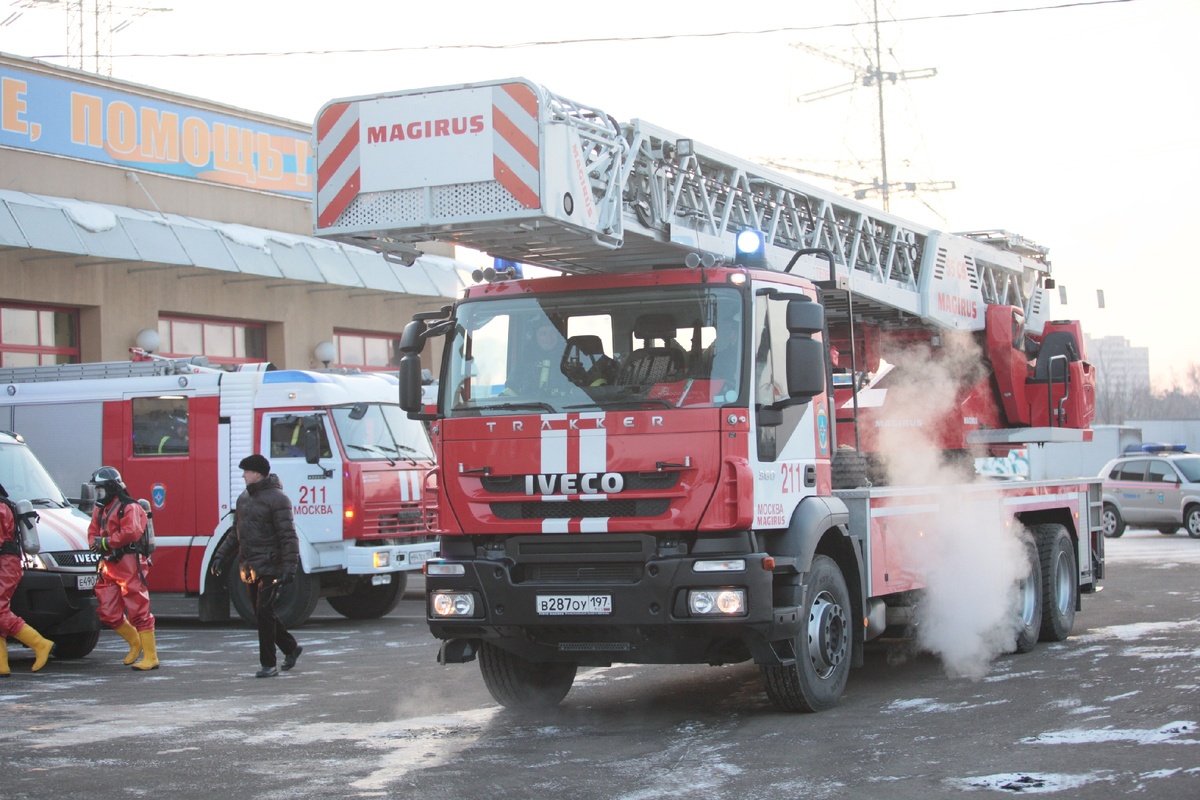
{"x": 1180, "y": 732}
{"x": 926, "y": 705}
{"x": 1031, "y": 783}
{"x": 1138, "y": 630}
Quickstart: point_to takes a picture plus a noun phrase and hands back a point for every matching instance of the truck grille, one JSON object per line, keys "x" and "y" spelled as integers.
{"x": 634, "y": 482}
{"x": 578, "y": 574}
{"x": 581, "y": 509}
{"x": 407, "y": 522}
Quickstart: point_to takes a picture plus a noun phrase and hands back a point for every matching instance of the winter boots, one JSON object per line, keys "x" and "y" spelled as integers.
{"x": 127, "y": 632}
{"x": 40, "y": 646}
{"x": 150, "y": 658}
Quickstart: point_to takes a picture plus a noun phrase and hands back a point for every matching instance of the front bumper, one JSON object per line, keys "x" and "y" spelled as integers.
{"x": 53, "y": 604}
{"x": 382, "y": 559}
{"x": 650, "y": 621}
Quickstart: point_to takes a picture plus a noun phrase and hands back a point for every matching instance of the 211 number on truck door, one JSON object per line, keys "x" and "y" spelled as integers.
{"x": 314, "y": 489}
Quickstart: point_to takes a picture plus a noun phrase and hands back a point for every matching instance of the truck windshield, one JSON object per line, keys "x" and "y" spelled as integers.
{"x": 24, "y": 478}
{"x": 602, "y": 350}
{"x": 371, "y": 431}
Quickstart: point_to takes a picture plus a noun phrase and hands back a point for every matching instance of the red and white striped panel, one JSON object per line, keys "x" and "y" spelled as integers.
{"x": 571, "y": 445}
{"x": 515, "y": 155}
{"x": 339, "y": 173}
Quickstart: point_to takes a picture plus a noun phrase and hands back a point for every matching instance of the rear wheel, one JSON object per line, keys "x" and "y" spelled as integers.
{"x": 371, "y": 602}
{"x": 816, "y": 678}
{"x": 297, "y": 600}
{"x": 75, "y": 645}
{"x": 517, "y": 683}
{"x": 1111, "y": 522}
{"x": 1191, "y": 521}
{"x": 1059, "y": 589}
{"x": 1029, "y": 603}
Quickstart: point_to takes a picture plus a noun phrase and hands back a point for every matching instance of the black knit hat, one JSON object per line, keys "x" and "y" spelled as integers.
{"x": 256, "y": 463}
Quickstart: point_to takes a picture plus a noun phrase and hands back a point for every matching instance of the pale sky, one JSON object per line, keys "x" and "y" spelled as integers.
{"x": 1077, "y": 126}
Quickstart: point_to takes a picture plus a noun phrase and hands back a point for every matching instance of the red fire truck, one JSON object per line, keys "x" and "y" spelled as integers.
{"x": 738, "y": 427}
{"x": 349, "y": 459}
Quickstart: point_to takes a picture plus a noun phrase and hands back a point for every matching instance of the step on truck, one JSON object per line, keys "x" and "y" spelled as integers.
{"x": 738, "y": 425}
{"x": 352, "y": 463}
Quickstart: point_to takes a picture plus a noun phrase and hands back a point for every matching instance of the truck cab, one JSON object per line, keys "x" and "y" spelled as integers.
{"x": 55, "y": 593}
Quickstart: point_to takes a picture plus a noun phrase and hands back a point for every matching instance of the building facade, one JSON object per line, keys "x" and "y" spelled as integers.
{"x": 131, "y": 216}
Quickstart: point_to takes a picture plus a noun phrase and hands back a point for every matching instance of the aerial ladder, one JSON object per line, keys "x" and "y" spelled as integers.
{"x": 564, "y": 185}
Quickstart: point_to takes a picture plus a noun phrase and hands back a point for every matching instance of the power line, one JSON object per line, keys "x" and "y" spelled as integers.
{"x": 611, "y": 39}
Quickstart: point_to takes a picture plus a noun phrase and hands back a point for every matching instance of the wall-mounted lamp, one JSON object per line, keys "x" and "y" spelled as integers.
{"x": 147, "y": 339}
{"x": 325, "y": 352}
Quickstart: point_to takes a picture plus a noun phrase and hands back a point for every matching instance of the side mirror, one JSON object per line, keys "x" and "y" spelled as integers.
{"x": 412, "y": 340}
{"x": 410, "y": 383}
{"x": 805, "y": 355}
{"x": 87, "y": 498}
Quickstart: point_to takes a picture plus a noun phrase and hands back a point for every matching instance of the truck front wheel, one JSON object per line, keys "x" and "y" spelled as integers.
{"x": 296, "y": 603}
{"x": 75, "y": 645}
{"x": 368, "y": 601}
{"x": 816, "y": 678}
{"x": 517, "y": 683}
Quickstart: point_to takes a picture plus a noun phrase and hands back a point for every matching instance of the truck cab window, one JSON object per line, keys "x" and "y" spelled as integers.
{"x": 161, "y": 426}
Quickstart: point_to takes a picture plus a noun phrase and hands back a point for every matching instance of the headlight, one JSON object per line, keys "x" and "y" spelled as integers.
{"x": 443, "y": 568}
{"x": 34, "y": 562}
{"x": 452, "y": 604}
{"x": 717, "y": 602}
{"x": 722, "y": 565}
{"x": 383, "y": 558}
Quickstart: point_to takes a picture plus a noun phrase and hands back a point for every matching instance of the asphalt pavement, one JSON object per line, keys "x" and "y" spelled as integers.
{"x": 367, "y": 712}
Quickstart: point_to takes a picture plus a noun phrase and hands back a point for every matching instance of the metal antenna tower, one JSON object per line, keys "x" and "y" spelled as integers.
{"x": 869, "y": 75}
{"x": 90, "y": 28}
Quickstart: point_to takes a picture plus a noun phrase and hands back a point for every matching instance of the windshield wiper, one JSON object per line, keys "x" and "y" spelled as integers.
{"x": 527, "y": 404}
{"x": 46, "y": 501}
{"x": 625, "y": 403}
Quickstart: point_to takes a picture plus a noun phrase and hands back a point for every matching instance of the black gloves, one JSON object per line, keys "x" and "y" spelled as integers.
{"x": 99, "y": 546}
{"x": 215, "y": 569}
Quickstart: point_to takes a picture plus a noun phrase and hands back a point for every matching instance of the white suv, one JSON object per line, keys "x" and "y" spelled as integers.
{"x": 1158, "y": 487}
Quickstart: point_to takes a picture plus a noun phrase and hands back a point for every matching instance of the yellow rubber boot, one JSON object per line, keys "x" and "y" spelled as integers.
{"x": 129, "y": 633}
{"x": 40, "y": 646}
{"x": 4, "y": 670}
{"x": 150, "y": 658}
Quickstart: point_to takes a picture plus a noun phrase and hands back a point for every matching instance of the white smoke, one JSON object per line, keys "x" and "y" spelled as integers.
{"x": 971, "y": 560}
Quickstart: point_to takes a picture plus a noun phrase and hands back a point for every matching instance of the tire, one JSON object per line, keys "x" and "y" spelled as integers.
{"x": 1060, "y": 588}
{"x": 75, "y": 645}
{"x": 296, "y": 603}
{"x": 1169, "y": 530}
{"x": 1028, "y": 611}
{"x": 849, "y": 469}
{"x": 520, "y": 684}
{"x": 1111, "y": 522}
{"x": 816, "y": 678}
{"x": 371, "y": 602}
{"x": 1191, "y": 520}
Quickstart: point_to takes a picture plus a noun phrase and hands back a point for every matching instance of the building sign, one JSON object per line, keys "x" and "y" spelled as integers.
{"x": 64, "y": 117}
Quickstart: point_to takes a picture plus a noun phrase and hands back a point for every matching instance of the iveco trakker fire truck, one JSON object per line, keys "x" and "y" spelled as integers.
{"x": 350, "y": 460}
{"x": 687, "y": 450}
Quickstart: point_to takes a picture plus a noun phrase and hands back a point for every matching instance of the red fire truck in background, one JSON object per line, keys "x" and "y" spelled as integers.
{"x": 738, "y": 427}
{"x": 352, "y": 463}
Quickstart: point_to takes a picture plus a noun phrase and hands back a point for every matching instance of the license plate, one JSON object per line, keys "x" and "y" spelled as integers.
{"x": 419, "y": 557}
{"x": 574, "y": 604}
{"x": 87, "y": 581}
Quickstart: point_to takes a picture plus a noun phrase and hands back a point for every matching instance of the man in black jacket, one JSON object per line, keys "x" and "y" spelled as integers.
{"x": 265, "y": 535}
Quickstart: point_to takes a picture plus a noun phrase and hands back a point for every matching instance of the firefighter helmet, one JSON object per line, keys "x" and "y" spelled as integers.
{"x": 108, "y": 484}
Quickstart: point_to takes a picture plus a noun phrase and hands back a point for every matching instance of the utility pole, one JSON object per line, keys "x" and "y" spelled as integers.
{"x": 870, "y": 75}
{"x": 90, "y": 28}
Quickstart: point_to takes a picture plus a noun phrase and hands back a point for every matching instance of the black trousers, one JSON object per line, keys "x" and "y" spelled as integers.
{"x": 271, "y": 632}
